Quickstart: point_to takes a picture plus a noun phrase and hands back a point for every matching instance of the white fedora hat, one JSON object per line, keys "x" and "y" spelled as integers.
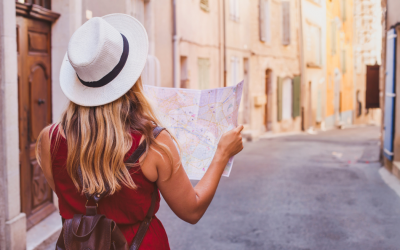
{"x": 105, "y": 57}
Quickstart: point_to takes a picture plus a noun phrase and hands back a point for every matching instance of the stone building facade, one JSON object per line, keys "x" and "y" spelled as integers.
{"x": 340, "y": 64}
{"x": 313, "y": 63}
{"x": 367, "y": 59}
{"x": 255, "y": 41}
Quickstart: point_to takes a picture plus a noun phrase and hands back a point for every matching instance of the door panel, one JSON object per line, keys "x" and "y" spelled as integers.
{"x": 34, "y": 97}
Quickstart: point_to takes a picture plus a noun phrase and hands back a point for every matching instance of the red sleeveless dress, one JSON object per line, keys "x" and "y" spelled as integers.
{"x": 126, "y": 207}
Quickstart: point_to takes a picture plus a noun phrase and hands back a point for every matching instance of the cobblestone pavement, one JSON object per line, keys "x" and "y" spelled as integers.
{"x": 299, "y": 192}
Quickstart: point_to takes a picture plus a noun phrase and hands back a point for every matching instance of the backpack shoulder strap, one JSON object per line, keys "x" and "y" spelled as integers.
{"x": 142, "y": 147}
{"x": 132, "y": 159}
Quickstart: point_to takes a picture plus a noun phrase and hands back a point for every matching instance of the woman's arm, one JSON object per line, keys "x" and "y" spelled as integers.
{"x": 189, "y": 203}
{"x": 45, "y": 156}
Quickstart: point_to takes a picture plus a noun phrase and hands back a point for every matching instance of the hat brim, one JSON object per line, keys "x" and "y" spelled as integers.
{"x": 82, "y": 95}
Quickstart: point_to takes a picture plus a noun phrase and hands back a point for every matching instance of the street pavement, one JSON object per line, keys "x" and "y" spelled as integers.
{"x": 298, "y": 192}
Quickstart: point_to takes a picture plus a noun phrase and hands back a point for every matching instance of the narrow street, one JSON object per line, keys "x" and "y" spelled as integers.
{"x": 297, "y": 192}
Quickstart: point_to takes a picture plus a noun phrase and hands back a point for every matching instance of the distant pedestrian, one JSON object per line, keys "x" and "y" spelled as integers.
{"x": 92, "y": 157}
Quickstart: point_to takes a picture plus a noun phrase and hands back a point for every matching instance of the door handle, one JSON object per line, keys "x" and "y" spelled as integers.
{"x": 41, "y": 101}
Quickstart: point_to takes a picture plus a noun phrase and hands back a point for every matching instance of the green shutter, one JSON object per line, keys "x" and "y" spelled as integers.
{"x": 296, "y": 96}
{"x": 280, "y": 82}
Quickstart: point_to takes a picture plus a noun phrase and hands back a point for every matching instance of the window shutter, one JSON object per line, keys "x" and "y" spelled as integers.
{"x": 286, "y": 23}
{"x": 200, "y": 72}
{"x": 343, "y": 61}
{"x": 262, "y": 21}
{"x": 237, "y": 9}
{"x": 280, "y": 82}
{"x": 319, "y": 104}
{"x": 333, "y": 37}
{"x": 235, "y": 70}
{"x": 204, "y": 5}
{"x": 204, "y": 74}
{"x": 296, "y": 96}
{"x": 267, "y": 21}
{"x": 343, "y": 10}
{"x": 232, "y": 8}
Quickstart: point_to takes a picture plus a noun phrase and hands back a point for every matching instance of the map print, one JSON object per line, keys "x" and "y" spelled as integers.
{"x": 197, "y": 119}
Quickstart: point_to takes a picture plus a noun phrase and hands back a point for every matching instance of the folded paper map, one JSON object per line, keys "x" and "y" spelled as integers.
{"x": 197, "y": 118}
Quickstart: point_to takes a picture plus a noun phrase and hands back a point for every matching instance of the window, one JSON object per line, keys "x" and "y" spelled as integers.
{"x": 286, "y": 23}
{"x": 44, "y": 3}
{"x": 204, "y": 5}
{"x": 234, "y": 9}
{"x": 235, "y": 71}
{"x": 313, "y": 45}
{"x": 265, "y": 27}
{"x": 204, "y": 73}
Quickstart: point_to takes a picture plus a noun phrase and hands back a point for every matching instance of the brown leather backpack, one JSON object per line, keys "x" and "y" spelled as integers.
{"x": 96, "y": 232}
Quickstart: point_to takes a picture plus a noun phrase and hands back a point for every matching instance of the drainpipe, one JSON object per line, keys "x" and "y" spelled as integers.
{"x": 303, "y": 101}
{"x": 175, "y": 47}
{"x": 224, "y": 30}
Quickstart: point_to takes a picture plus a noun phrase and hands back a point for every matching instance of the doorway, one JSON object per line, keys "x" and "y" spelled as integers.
{"x": 287, "y": 99}
{"x": 34, "y": 108}
{"x": 337, "y": 96}
{"x": 310, "y": 111}
{"x": 246, "y": 102}
{"x": 268, "y": 95}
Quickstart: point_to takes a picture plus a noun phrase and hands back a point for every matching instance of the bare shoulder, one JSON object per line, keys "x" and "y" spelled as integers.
{"x": 164, "y": 137}
{"x": 44, "y": 139}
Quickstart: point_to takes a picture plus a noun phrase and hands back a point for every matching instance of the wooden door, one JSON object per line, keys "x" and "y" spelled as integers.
{"x": 372, "y": 90}
{"x": 34, "y": 96}
{"x": 268, "y": 97}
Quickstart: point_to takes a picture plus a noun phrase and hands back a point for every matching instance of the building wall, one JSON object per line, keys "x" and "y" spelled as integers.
{"x": 393, "y": 16}
{"x": 200, "y": 40}
{"x": 281, "y": 61}
{"x": 314, "y": 62}
{"x": 12, "y": 221}
{"x": 339, "y": 64}
{"x": 163, "y": 30}
{"x": 367, "y": 51}
{"x": 204, "y": 39}
{"x": 390, "y": 20}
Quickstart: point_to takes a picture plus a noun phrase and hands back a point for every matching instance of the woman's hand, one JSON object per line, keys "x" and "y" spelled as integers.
{"x": 189, "y": 203}
{"x": 231, "y": 142}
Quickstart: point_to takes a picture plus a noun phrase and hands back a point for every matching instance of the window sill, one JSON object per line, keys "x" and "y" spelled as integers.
{"x": 205, "y": 7}
{"x": 235, "y": 19}
{"x": 312, "y": 65}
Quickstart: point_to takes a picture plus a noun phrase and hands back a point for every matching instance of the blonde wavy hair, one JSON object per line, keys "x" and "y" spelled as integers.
{"x": 99, "y": 137}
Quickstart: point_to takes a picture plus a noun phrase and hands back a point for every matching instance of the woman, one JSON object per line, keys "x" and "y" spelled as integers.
{"x": 106, "y": 120}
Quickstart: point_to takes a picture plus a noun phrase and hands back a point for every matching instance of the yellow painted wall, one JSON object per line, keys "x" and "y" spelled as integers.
{"x": 344, "y": 41}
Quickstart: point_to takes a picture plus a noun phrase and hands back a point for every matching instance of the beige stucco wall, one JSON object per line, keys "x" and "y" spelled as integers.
{"x": 283, "y": 61}
{"x": 367, "y": 51}
{"x": 200, "y": 39}
{"x": 200, "y": 35}
{"x": 314, "y": 82}
{"x": 12, "y": 221}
